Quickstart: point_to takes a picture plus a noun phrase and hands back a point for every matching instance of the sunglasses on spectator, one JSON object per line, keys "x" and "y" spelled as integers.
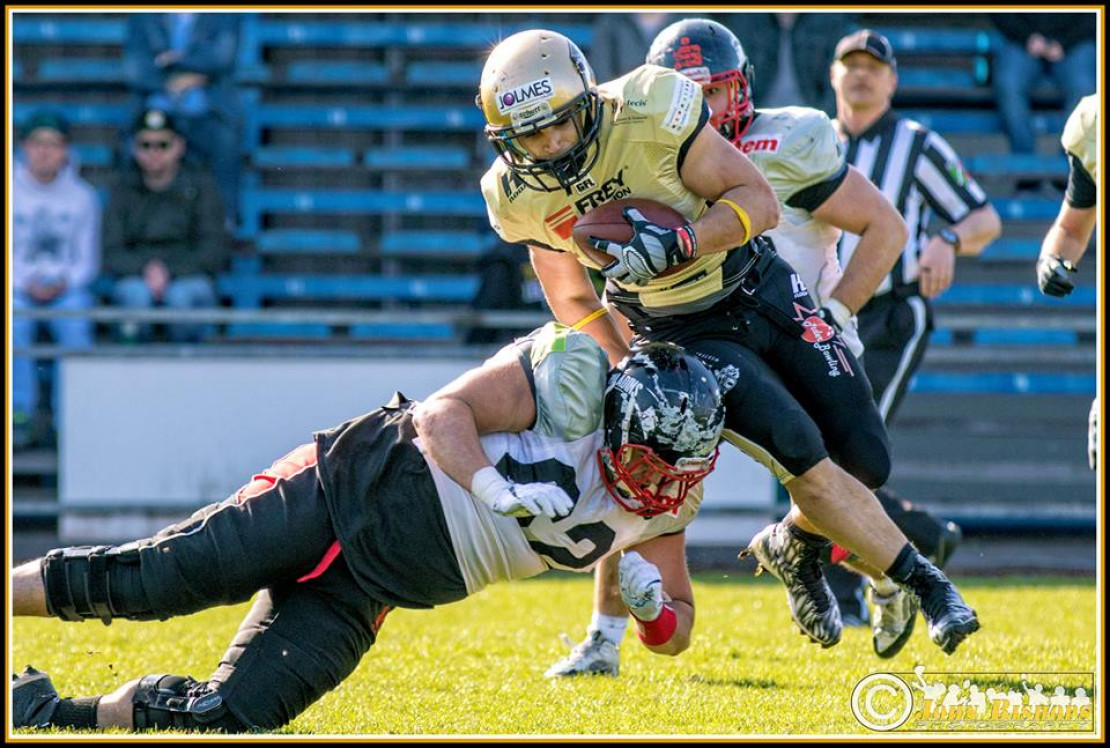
{"x": 149, "y": 145}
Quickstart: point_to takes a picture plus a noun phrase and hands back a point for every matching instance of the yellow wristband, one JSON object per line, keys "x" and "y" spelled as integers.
{"x": 743, "y": 216}
{"x": 596, "y": 314}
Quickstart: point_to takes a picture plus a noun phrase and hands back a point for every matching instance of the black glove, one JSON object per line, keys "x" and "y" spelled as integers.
{"x": 651, "y": 250}
{"x": 1053, "y": 276}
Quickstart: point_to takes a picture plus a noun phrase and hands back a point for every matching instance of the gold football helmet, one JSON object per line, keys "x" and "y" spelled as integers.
{"x": 532, "y": 80}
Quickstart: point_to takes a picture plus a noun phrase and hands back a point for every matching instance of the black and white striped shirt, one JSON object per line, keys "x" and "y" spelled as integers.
{"x": 920, "y": 174}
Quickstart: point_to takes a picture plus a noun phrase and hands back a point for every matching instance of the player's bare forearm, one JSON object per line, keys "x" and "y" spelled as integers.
{"x": 1070, "y": 233}
{"x": 716, "y": 170}
{"x": 857, "y": 206}
{"x": 977, "y": 229}
{"x": 572, "y": 298}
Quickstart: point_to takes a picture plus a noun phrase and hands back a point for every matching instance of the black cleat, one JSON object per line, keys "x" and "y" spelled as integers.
{"x": 950, "y": 619}
{"x": 797, "y": 565}
{"x": 34, "y": 698}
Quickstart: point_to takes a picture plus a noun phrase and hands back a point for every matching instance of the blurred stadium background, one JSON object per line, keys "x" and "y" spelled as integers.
{"x": 358, "y": 264}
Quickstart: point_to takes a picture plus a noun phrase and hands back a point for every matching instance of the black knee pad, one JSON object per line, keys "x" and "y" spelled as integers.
{"x": 181, "y": 703}
{"x": 95, "y": 582}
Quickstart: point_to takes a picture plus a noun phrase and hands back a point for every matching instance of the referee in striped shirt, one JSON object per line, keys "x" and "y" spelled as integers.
{"x": 921, "y": 176}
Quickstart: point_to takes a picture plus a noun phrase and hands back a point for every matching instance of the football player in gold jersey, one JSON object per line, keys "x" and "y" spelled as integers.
{"x": 566, "y": 146}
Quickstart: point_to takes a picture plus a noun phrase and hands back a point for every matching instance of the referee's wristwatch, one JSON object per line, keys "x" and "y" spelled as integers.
{"x": 951, "y": 237}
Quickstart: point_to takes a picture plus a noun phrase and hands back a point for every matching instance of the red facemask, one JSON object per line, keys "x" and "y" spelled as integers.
{"x": 645, "y": 484}
{"x": 734, "y": 121}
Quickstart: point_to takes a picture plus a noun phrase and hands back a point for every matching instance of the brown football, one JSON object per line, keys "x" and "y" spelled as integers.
{"x": 608, "y": 222}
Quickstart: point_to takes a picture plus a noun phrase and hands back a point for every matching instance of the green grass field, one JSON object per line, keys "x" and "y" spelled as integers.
{"x": 477, "y": 667}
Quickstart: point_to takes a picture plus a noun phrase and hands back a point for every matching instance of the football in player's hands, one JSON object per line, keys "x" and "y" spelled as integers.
{"x": 608, "y": 222}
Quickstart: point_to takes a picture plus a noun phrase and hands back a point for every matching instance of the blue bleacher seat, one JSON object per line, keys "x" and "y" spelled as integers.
{"x": 1014, "y": 164}
{"x": 1017, "y": 336}
{"x": 411, "y": 331}
{"x": 935, "y": 78}
{"x": 939, "y": 40}
{"x": 1003, "y": 382}
{"x": 337, "y": 72}
{"x": 421, "y": 118}
{"x": 1007, "y": 336}
{"x": 68, "y": 31}
{"x": 78, "y": 114}
{"x": 444, "y": 157}
{"x": 1019, "y": 209}
{"x": 248, "y": 291}
{"x": 434, "y": 74}
{"x": 420, "y": 243}
{"x": 240, "y": 330}
{"x": 81, "y": 70}
{"x": 972, "y": 121}
{"x": 998, "y": 294}
{"x": 257, "y": 202}
{"x": 1024, "y": 250}
{"x": 332, "y": 34}
{"x": 302, "y": 156}
{"x": 277, "y": 241}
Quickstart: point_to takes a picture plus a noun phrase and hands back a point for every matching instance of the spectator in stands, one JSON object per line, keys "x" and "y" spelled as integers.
{"x": 164, "y": 232}
{"x": 184, "y": 64}
{"x": 55, "y": 254}
{"x": 621, "y": 41}
{"x": 1032, "y": 44}
{"x": 1067, "y": 240}
{"x": 790, "y": 54}
{"x": 921, "y": 175}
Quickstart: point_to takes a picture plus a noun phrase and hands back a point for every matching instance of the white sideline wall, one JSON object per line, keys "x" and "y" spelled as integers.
{"x": 144, "y": 433}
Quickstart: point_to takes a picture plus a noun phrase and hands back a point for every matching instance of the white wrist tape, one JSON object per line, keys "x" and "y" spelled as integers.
{"x": 487, "y": 485}
{"x": 839, "y": 312}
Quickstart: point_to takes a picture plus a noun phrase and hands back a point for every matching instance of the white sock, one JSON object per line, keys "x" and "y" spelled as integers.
{"x": 885, "y": 586}
{"x": 611, "y": 627}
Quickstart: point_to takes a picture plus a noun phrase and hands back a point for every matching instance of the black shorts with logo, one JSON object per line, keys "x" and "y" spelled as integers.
{"x": 793, "y": 389}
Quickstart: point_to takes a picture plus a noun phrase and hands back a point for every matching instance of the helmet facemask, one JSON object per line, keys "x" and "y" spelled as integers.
{"x": 645, "y": 484}
{"x": 566, "y": 168}
{"x": 735, "y": 120}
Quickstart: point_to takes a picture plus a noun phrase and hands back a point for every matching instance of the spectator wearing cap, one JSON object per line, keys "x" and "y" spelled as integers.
{"x": 184, "y": 64}
{"x": 165, "y": 238}
{"x": 1060, "y": 45}
{"x": 921, "y": 175}
{"x": 55, "y": 255}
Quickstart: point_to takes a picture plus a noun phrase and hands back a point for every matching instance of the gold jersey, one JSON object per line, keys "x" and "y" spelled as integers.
{"x": 1080, "y": 136}
{"x": 649, "y": 119}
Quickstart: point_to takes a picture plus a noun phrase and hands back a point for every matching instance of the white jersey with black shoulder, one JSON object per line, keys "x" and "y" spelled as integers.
{"x": 798, "y": 151}
{"x": 569, "y": 370}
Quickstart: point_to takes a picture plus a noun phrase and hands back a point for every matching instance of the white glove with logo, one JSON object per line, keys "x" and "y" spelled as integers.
{"x": 519, "y": 499}
{"x": 641, "y": 586}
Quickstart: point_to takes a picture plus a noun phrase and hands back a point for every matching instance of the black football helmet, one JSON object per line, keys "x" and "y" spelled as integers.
{"x": 711, "y": 55}
{"x": 663, "y": 419}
